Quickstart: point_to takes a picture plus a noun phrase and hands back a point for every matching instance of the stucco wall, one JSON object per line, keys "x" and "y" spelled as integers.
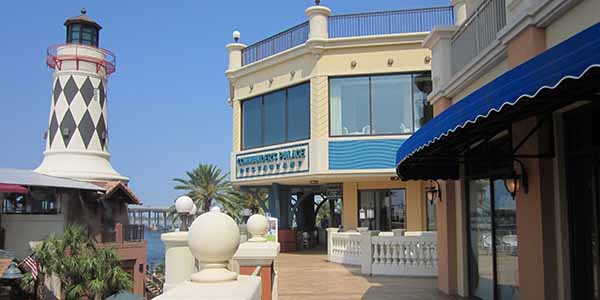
{"x": 582, "y": 16}
{"x": 21, "y": 229}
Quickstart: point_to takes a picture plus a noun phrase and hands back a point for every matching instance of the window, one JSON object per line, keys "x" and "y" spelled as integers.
{"x": 82, "y": 34}
{"x": 382, "y": 209}
{"x": 278, "y": 117}
{"x": 39, "y": 201}
{"x": 375, "y": 105}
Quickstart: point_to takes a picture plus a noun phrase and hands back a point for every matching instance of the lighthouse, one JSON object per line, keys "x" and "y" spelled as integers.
{"x": 77, "y": 136}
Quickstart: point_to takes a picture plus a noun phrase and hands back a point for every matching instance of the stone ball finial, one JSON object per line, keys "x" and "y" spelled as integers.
{"x": 257, "y": 226}
{"x": 213, "y": 239}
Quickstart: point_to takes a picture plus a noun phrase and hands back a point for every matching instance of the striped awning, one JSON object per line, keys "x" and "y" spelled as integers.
{"x": 539, "y": 84}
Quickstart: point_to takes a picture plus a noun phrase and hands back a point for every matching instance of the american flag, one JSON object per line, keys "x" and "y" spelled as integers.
{"x": 31, "y": 264}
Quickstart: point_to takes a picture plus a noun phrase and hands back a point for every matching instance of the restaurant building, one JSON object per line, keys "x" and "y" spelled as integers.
{"x": 514, "y": 149}
{"x": 319, "y": 111}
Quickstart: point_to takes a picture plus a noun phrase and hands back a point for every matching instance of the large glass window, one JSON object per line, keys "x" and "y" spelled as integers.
{"x": 493, "y": 248}
{"x": 278, "y": 117}
{"x": 375, "y": 105}
{"x": 252, "y": 122}
{"x": 298, "y": 112}
{"x": 382, "y": 209}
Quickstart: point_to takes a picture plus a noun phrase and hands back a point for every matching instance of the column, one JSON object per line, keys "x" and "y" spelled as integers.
{"x": 350, "y": 205}
{"x": 179, "y": 262}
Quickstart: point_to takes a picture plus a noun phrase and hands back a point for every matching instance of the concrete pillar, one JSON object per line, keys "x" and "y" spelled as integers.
{"x": 279, "y": 204}
{"x": 446, "y": 232}
{"x": 460, "y": 11}
{"x": 235, "y": 55}
{"x": 366, "y": 250}
{"x": 536, "y": 215}
{"x": 254, "y": 254}
{"x": 350, "y": 205}
{"x": 439, "y": 43}
{"x": 179, "y": 262}
{"x": 318, "y": 22}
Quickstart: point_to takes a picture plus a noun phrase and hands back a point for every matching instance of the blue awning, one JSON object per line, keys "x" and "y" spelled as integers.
{"x": 556, "y": 69}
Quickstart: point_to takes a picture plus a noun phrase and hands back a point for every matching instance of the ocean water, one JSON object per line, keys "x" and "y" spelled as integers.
{"x": 156, "y": 248}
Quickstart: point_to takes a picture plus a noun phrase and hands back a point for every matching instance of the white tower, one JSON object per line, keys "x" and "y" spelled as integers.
{"x": 77, "y": 136}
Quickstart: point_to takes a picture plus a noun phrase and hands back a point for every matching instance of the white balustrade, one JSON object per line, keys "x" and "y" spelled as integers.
{"x": 411, "y": 254}
{"x": 345, "y": 248}
{"x": 404, "y": 255}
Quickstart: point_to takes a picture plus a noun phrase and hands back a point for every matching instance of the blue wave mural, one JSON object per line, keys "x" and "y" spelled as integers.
{"x": 363, "y": 154}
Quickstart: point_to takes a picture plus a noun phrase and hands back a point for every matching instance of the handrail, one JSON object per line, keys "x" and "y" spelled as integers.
{"x": 390, "y": 22}
{"x": 355, "y": 24}
{"x": 477, "y": 32}
{"x": 107, "y": 60}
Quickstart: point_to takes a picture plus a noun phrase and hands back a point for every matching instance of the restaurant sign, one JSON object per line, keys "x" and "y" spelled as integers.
{"x": 280, "y": 161}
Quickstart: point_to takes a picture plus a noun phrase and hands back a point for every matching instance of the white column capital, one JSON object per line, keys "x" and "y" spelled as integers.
{"x": 318, "y": 10}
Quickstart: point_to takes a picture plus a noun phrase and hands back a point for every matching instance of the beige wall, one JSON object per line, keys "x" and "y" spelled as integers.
{"x": 484, "y": 79}
{"x": 371, "y": 55}
{"x": 415, "y": 201}
{"x": 582, "y": 16}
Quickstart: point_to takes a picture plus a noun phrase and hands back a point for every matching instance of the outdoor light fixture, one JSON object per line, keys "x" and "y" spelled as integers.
{"x": 514, "y": 181}
{"x": 433, "y": 192}
{"x": 184, "y": 206}
{"x": 394, "y": 178}
{"x": 236, "y": 36}
{"x": 314, "y": 182}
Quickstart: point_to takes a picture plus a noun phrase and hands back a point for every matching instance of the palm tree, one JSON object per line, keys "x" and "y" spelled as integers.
{"x": 84, "y": 271}
{"x": 208, "y": 185}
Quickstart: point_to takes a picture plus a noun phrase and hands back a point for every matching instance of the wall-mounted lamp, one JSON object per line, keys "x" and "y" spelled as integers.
{"x": 394, "y": 178}
{"x": 514, "y": 181}
{"x": 314, "y": 182}
{"x": 353, "y": 64}
{"x": 433, "y": 192}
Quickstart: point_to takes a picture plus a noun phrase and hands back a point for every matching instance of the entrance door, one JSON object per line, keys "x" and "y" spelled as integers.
{"x": 382, "y": 209}
{"x": 583, "y": 168}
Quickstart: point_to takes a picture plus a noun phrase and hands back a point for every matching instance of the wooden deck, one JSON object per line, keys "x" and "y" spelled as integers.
{"x": 307, "y": 275}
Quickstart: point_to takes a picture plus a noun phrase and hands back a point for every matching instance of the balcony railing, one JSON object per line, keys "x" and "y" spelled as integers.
{"x": 477, "y": 33}
{"x": 134, "y": 233}
{"x": 282, "y": 41}
{"x": 390, "y": 22}
{"x": 363, "y": 24}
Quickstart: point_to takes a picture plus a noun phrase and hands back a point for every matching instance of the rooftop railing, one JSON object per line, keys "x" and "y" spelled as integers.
{"x": 280, "y": 42}
{"x": 477, "y": 33}
{"x": 390, "y": 22}
{"x": 362, "y": 24}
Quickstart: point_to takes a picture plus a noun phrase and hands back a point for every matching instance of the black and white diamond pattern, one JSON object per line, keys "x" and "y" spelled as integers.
{"x": 78, "y": 116}
{"x": 70, "y": 90}
{"x": 87, "y": 91}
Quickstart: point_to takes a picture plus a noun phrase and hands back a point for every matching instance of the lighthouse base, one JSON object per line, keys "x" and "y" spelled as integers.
{"x": 86, "y": 166}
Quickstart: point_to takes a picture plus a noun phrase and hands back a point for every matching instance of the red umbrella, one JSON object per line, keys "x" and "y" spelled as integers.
{"x": 13, "y": 188}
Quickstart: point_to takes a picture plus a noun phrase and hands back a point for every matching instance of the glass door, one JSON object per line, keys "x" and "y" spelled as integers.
{"x": 493, "y": 246}
{"x": 382, "y": 209}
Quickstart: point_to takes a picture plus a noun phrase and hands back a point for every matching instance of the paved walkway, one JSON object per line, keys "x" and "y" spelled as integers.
{"x": 308, "y": 276}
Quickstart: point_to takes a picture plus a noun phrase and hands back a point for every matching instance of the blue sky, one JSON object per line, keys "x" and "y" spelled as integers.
{"x": 167, "y": 100}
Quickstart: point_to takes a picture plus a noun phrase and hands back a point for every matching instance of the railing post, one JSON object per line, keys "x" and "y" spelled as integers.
{"x": 366, "y": 250}
{"x": 330, "y": 232}
{"x": 118, "y": 233}
{"x": 318, "y": 28}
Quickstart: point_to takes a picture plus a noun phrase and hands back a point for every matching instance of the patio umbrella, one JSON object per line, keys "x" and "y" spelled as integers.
{"x": 124, "y": 296}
